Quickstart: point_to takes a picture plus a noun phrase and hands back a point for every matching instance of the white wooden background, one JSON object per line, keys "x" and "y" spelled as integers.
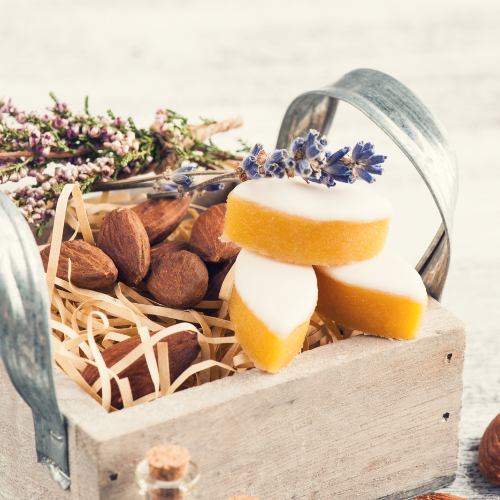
{"x": 223, "y": 58}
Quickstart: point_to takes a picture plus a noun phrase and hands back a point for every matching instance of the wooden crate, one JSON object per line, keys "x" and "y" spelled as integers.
{"x": 365, "y": 418}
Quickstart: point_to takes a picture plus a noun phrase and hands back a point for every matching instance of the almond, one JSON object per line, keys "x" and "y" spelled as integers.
{"x": 91, "y": 268}
{"x": 216, "y": 275}
{"x": 206, "y": 233}
{"x": 489, "y": 452}
{"x": 123, "y": 238}
{"x": 167, "y": 247}
{"x": 178, "y": 279}
{"x": 161, "y": 216}
{"x": 183, "y": 348}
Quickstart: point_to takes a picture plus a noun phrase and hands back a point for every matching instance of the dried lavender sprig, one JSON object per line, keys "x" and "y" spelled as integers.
{"x": 307, "y": 158}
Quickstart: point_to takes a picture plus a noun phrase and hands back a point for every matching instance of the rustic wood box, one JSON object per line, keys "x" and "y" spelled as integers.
{"x": 362, "y": 418}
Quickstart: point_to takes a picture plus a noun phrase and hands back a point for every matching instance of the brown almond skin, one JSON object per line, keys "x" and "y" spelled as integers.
{"x": 216, "y": 276}
{"x": 123, "y": 238}
{"x": 178, "y": 280}
{"x": 161, "y": 216}
{"x": 167, "y": 247}
{"x": 489, "y": 452}
{"x": 91, "y": 268}
{"x": 205, "y": 236}
{"x": 183, "y": 348}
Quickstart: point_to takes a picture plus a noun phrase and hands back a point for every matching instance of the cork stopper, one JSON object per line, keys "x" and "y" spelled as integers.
{"x": 168, "y": 462}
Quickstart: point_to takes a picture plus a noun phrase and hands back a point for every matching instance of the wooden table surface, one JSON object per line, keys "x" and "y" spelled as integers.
{"x": 222, "y": 58}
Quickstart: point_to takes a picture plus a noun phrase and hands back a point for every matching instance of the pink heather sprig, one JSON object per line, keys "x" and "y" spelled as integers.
{"x": 87, "y": 149}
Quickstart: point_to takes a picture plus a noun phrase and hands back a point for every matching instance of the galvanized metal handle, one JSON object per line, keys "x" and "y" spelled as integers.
{"x": 412, "y": 126}
{"x": 25, "y": 337}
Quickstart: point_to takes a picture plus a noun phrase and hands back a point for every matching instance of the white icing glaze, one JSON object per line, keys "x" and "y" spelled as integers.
{"x": 316, "y": 201}
{"x": 281, "y": 295}
{"x": 387, "y": 272}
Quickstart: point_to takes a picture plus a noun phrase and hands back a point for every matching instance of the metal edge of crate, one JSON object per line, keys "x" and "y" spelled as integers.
{"x": 414, "y": 129}
{"x": 24, "y": 309}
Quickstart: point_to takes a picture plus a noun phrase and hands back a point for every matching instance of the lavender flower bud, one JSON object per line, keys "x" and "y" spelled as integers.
{"x": 149, "y": 159}
{"x": 297, "y": 144}
{"x": 83, "y": 177}
{"x": 41, "y": 204}
{"x": 40, "y": 192}
{"x": 21, "y": 117}
{"x": 46, "y": 186}
{"x": 39, "y": 160}
{"x": 30, "y": 201}
{"x": 314, "y": 151}
{"x": 37, "y": 216}
{"x": 303, "y": 168}
{"x": 73, "y": 131}
{"x": 116, "y": 145}
{"x": 28, "y": 209}
{"x": 14, "y": 177}
{"x": 256, "y": 150}
{"x": 279, "y": 155}
{"x": 85, "y": 129}
{"x": 136, "y": 145}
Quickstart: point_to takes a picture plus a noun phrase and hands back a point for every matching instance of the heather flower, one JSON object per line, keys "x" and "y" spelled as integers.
{"x": 35, "y": 136}
{"x": 47, "y": 139}
{"x": 94, "y": 132}
{"x": 119, "y": 121}
{"x": 60, "y": 122}
{"x": 73, "y": 131}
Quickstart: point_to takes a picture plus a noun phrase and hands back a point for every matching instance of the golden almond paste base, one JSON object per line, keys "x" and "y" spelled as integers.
{"x": 263, "y": 347}
{"x": 370, "y": 311}
{"x": 300, "y": 240}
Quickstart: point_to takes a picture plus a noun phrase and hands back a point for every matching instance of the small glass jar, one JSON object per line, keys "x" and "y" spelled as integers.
{"x": 153, "y": 489}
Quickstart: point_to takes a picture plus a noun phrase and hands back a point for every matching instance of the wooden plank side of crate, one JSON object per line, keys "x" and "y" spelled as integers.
{"x": 365, "y": 418}
{"x": 21, "y": 477}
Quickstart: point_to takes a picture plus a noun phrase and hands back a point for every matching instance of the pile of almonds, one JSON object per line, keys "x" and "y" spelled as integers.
{"x": 132, "y": 248}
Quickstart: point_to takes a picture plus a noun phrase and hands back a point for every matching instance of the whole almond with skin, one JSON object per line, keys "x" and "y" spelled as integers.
{"x": 489, "y": 452}
{"x": 216, "y": 276}
{"x": 91, "y": 268}
{"x": 439, "y": 496}
{"x": 161, "y": 216}
{"x": 123, "y": 238}
{"x": 206, "y": 233}
{"x": 183, "y": 349}
{"x": 167, "y": 247}
{"x": 178, "y": 280}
